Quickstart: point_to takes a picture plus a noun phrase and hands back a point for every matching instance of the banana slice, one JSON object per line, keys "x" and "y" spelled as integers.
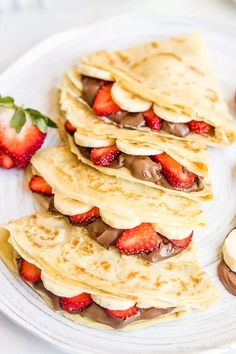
{"x": 91, "y": 71}
{"x": 128, "y": 101}
{"x": 92, "y": 141}
{"x": 172, "y": 232}
{"x": 112, "y": 303}
{"x": 59, "y": 289}
{"x": 136, "y": 149}
{"x": 171, "y": 116}
{"x": 119, "y": 222}
{"x": 229, "y": 250}
{"x": 69, "y": 206}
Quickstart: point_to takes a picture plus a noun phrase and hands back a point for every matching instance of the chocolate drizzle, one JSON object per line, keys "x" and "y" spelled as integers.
{"x": 227, "y": 277}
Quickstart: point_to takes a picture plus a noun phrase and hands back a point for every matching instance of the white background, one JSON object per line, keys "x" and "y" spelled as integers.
{"x": 24, "y": 23}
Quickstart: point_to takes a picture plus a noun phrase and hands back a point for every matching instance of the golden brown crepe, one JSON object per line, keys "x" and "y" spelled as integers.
{"x": 71, "y": 260}
{"x": 73, "y": 179}
{"x": 173, "y": 74}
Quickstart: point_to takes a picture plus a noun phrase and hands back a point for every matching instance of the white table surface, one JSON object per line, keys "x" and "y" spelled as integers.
{"x": 22, "y": 29}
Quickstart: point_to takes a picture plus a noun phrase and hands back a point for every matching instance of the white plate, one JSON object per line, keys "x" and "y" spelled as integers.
{"x": 32, "y": 80}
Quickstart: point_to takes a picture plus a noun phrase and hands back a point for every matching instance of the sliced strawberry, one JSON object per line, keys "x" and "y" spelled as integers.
{"x": 152, "y": 120}
{"x": 76, "y": 303}
{"x": 103, "y": 103}
{"x": 183, "y": 243}
{"x": 105, "y": 155}
{"x": 69, "y": 127}
{"x": 123, "y": 314}
{"x": 175, "y": 173}
{"x": 20, "y": 146}
{"x": 138, "y": 240}
{"x": 5, "y": 161}
{"x": 30, "y": 272}
{"x": 38, "y": 185}
{"x": 199, "y": 127}
{"x": 85, "y": 218}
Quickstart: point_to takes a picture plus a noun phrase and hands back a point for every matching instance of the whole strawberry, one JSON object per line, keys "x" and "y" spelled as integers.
{"x": 22, "y": 132}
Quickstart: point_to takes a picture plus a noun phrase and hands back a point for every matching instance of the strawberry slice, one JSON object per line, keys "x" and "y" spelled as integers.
{"x": 152, "y": 120}
{"x": 123, "y": 314}
{"x": 183, "y": 243}
{"x": 76, "y": 303}
{"x": 30, "y": 272}
{"x": 138, "y": 240}
{"x": 69, "y": 127}
{"x": 105, "y": 155}
{"x": 175, "y": 173}
{"x": 20, "y": 146}
{"x": 38, "y": 185}
{"x": 103, "y": 103}
{"x": 5, "y": 161}
{"x": 199, "y": 127}
{"x": 85, "y": 218}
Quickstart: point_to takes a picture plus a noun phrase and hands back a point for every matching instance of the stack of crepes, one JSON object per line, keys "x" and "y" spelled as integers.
{"x": 115, "y": 246}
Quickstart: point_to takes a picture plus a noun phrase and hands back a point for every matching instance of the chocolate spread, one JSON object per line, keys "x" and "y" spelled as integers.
{"x": 177, "y": 129}
{"x": 144, "y": 168}
{"x": 103, "y": 233}
{"x": 90, "y": 88}
{"x": 98, "y": 314}
{"x": 124, "y": 118}
{"x": 227, "y": 277}
{"x": 106, "y": 236}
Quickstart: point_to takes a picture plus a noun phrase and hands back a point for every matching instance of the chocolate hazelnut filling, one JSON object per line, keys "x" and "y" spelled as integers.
{"x": 106, "y": 236}
{"x": 227, "y": 277}
{"x": 123, "y": 118}
{"x": 98, "y": 314}
{"x": 144, "y": 168}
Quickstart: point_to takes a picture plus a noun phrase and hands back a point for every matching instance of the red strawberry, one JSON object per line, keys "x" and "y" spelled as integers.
{"x": 85, "y": 218}
{"x": 174, "y": 172}
{"x": 123, "y": 314}
{"x": 30, "y": 272}
{"x": 76, "y": 303}
{"x": 20, "y": 146}
{"x": 152, "y": 120}
{"x": 105, "y": 155}
{"x": 38, "y": 185}
{"x": 69, "y": 127}
{"x": 138, "y": 240}
{"x": 103, "y": 103}
{"x": 5, "y": 161}
{"x": 199, "y": 127}
{"x": 183, "y": 243}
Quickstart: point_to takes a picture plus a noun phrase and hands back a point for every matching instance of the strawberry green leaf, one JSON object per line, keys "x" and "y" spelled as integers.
{"x": 18, "y": 120}
{"x": 7, "y": 100}
{"x": 51, "y": 123}
{"x": 40, "y": 120}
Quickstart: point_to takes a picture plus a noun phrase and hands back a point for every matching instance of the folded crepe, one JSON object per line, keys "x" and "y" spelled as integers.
{"x": 135, "y": 218}
{"x": 73, "y": 265}
{"x": 73, "y": 179}
{"x": 167, "y": 86}
{"x": 136, "y": 161}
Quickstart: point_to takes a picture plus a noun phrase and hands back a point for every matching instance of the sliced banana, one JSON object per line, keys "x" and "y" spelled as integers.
{"x": 112, "y": 303}
{"x": 91, "y": 71}
{"x": 229, "y": 250}
{"x": 117, "y": 221}
{"x": 129, "y": 101}
{"x": 171, "y": 232}
{"x": 58, "y": 288}
{"x": 92, "y": 141}
{"x": 136, "y": 149}
{"x": 69, "y": 206}
{"x": 171, "y": 116}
